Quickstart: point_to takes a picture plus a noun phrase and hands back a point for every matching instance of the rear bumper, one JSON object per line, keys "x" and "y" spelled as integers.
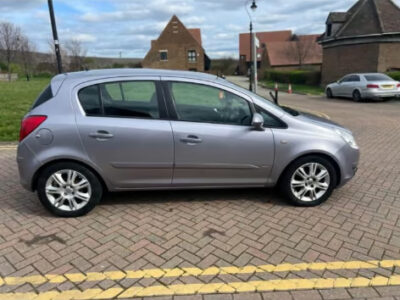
{"x": 27, "y": 166}
{"x": 381, "y": 94}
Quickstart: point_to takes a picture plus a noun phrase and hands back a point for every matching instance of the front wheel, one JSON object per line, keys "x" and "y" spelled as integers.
{"x": 309, "y": 181}
{"x": 329, "y": 94}
{"x": 68, "y": 189}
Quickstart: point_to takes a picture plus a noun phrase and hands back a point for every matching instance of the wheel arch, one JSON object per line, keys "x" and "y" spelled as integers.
{"x": 320, "y": 154}
{"x": 49, "y": 163}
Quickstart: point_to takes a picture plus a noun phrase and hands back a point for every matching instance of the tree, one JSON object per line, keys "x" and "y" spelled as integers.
{"x": 53, "y": 58}
{"x": 27, "y": 50}
{"x": 77, "y": 54}
{"x": 303, "y": 47}
{"x": 10, "y": 38}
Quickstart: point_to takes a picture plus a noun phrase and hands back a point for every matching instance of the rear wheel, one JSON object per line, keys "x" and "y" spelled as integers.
{"x": 329, "y": 94}
{"x": 309, "y": 181}
{"x": 68, "y": 189}
{"x": 357, "y": 96}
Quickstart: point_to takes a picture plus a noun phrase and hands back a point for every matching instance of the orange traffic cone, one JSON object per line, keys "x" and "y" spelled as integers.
{"x": 290, "y": 91}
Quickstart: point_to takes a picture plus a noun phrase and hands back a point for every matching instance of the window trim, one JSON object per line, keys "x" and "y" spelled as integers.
{"x": 162, "y": 107}
{"x": 283, "y": 124}
{"x": 171, "y": 103}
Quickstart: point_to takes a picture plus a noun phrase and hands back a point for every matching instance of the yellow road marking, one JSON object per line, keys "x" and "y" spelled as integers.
{"x": 181, "y": 272}
{"x": 8, "y": 147}
{"x": 209, "y": 288}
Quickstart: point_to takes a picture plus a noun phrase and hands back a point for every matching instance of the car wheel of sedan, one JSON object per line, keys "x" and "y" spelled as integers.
{"x": 329, "y": 94}
{"x": 357, "y": 96}
{"x": 309, "y": 181}
{"x": 69, "y": 189}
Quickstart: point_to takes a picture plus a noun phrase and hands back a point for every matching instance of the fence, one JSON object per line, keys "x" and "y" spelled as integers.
{"x": 4, "y": 76}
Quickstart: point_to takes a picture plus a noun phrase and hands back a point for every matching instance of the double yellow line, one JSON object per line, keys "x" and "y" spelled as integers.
{"x": 204, "y": 288}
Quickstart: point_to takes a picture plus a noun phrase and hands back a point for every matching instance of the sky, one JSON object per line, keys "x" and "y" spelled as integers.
{"x": 108, "y": 28}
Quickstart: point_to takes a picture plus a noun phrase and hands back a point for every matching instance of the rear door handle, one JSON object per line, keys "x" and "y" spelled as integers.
{"x": 101, "y": 135}
{"x": 191, "y": 139}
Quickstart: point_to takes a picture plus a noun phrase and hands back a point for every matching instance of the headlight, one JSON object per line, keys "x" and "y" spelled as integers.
{"x": 347, "y": 137}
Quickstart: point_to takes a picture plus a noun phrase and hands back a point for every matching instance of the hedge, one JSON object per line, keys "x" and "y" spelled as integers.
{"x": 295, "y": 77}
{"x": 394, "y": 75}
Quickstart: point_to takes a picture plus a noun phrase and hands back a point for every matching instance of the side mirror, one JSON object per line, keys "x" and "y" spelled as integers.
{"x": 258, "y": 121}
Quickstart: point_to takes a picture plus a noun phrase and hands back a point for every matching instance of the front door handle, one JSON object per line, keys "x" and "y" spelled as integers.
{"x": 191, "y": 140}
{"x": 101, "y": 135}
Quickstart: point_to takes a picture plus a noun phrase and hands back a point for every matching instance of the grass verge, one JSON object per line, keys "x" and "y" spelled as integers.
{"x": 297, "y": 88}
{"x": 16, "y": 98}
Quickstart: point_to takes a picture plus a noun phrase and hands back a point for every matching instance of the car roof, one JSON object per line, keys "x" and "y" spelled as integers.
{"x": 107, "y": 73}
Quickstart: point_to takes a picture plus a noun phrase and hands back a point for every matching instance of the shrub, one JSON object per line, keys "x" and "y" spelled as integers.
{"x": 394, "y": 75}
{"x": 295, "y": 77}
{"x": 44, "y": 75}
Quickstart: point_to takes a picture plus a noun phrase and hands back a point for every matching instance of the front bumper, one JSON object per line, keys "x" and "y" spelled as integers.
{"x": 348, "y": 163}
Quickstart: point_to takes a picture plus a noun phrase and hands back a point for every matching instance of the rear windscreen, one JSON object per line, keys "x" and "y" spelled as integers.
{"x": 378, "y": 77}
{"x": 46, "y": 95}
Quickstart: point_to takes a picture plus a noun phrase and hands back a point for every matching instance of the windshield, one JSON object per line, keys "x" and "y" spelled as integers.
{"x": 378, "y": 77}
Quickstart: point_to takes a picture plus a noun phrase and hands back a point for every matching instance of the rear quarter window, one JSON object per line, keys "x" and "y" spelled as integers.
{"x": 89, "y": 97}
{"x": 44, "y": 96}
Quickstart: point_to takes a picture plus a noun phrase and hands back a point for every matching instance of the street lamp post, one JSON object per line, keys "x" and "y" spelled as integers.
{"x": 253, "y": 66}
{"x": 55, "y": 36}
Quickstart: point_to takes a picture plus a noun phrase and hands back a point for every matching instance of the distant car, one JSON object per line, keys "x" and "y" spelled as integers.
{"x": 118, "y": 130}
{"x": 374, "y": 86}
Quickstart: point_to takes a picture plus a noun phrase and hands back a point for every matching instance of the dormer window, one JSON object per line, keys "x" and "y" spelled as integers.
{"x": 329, "y": 29}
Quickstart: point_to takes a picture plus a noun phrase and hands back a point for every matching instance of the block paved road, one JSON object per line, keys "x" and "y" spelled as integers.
{"x": 192, "y": 231}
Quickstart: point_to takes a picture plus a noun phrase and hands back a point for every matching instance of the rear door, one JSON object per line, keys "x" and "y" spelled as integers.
{"x": 124, "y": 129}
{"x": 215, "y": 144}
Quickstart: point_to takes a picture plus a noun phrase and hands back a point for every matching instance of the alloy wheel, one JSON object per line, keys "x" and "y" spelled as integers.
{"x": 68, "y": 190}
{"x": 310, "y": 182}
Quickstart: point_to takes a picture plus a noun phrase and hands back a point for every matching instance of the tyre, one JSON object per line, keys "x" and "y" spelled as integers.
{"x": 309, "y": 181}
{"x": 329, "y": 94}
{"x": 69, "y": 189}
{"x": 357, "y": 96}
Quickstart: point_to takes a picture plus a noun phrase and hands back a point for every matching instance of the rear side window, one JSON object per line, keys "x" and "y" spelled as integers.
{"x": 130, "y": 99}
{"x": 121, "y": 99}
{"x": 89, "y": 98}
{"x": 46, "y": 95}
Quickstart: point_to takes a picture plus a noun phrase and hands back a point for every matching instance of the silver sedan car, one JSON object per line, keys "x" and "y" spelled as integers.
{"x": 119, "y": 130}
{"x": 374, "y": 86}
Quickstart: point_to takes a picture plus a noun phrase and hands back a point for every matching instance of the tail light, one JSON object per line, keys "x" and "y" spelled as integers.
{"x": 372, "y": 86}
{"x": 29, "y": 124}
{"x": 398, "y": 85}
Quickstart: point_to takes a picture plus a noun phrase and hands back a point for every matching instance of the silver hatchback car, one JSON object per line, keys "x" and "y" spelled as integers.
{"x": 374, "y": 86}
{"x": 119, "y": 130}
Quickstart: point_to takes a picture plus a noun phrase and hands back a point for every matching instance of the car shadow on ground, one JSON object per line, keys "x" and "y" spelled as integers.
{"x": 261, "y": 195}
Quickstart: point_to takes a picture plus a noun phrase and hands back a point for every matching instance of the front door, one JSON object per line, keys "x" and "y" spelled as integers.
{"x": 124, "y": 135}
{"x": 215, "y": 144}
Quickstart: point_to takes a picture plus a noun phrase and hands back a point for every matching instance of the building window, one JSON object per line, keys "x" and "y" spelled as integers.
{"x": 192, "y": 56}
{"x": 329, "y": 30}
{"x": 163, "y": 55}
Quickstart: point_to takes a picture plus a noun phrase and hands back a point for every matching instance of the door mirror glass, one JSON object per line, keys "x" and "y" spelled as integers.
{"x": 258, "y": 121}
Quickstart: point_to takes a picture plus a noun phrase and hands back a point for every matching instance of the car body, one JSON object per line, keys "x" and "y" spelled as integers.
{"x": 374, "y": 86}
{"x": 141, "y": 129}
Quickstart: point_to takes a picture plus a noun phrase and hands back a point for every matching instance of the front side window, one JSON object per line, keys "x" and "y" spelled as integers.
{"x": 192, "y": 56}
{"x": 163, "y": 55}
{"x": 130, "y": 99}
{"x": 206, "y": 104}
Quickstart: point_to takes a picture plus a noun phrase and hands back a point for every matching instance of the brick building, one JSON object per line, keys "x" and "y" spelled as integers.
{"x": 177, "y": 48}
{"x": 281, "y": 50}
{"x": 364, "y": 39}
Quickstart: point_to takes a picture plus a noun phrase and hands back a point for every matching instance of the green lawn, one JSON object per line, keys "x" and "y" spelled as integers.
{"x": 15, "y": 100}
{"x": 297, "y": 88}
